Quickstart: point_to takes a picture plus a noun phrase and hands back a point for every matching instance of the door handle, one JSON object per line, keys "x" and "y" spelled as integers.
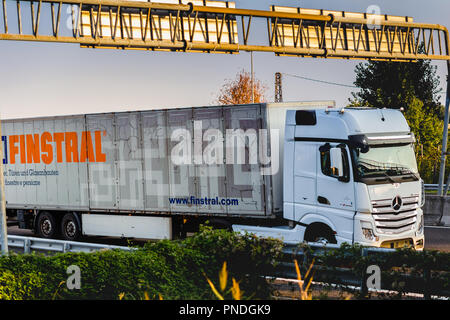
{"x": 323, "y": 200}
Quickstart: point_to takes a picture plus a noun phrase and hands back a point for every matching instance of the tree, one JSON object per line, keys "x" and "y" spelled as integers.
{"x": 414, "y": 87}
{"x": 428, "y": 132}
{"x": 239, "y": 90}
{"x": 392, "y": 84}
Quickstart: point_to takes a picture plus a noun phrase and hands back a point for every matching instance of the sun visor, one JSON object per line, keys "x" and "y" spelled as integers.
{"x": 387, "y": 139}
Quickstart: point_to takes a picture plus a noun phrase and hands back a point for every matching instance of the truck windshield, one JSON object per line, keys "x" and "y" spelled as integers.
{"x": 381, "y": 164}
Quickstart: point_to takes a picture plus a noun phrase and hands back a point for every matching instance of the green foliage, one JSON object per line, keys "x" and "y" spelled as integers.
{"x": 16, "y": 287}
{"x": 248, "y": 257}
{"x": 393, "y": 84}
{"x": 172, "y": 269}
{"x": 428, "y": 130}
{"x": 404, "y": 270}
{"x": 414, "y": 87}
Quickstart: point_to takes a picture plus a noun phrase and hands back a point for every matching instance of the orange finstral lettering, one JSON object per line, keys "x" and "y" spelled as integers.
{"x": 86, "y": 149}
{"x": 33, "y": 148}
{"x": 13, "y": 149}
{"x": 22, "y": 149}
{"x": 99, "y": 156}
{"x": 71, "y": 147}
{"x": 41, "y": 148}
{"x": 59, "y": 138}
{"x": 46, "y": 148}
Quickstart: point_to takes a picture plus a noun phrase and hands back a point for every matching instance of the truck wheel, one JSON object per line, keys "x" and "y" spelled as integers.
{"x": 46, "y": 226}
{"x": 70, "y": 228}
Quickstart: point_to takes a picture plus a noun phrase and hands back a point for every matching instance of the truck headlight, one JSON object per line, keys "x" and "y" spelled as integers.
{"x": 422, "y": 195}
{"x": 420, "y": 227}
{"x": 367, "y": 231}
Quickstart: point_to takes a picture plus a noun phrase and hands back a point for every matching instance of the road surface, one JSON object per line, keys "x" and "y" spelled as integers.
{"x": 437, "y": 238}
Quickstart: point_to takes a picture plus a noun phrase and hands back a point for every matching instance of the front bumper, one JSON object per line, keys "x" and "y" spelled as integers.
{"x": 414, "y": 243}
{"x": 410, "y": 239}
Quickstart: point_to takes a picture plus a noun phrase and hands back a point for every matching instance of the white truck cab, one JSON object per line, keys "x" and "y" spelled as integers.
{"x": 349, "y": 175}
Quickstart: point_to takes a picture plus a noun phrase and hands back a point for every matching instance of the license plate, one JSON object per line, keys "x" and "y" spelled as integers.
{"x": 397, "y": 244}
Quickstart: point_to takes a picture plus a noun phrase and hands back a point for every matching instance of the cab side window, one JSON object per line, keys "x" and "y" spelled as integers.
{"x": 325, "y": 164}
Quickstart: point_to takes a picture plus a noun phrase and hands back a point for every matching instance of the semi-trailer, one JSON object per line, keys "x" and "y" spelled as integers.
{"x": 303, "y": 171}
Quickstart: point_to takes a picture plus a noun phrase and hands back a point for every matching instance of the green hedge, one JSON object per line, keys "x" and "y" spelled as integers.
{"x": 404, "y": 270}
{"x": 172, "y": 269}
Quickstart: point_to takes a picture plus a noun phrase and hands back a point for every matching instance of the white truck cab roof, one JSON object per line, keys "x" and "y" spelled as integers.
{"x": 375, "y": 126}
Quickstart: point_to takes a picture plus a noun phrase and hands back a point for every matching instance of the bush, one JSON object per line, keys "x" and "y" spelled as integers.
{"x": 404, "y": 270}
{"x": 24, "y": 286}
{"x": 172, "y": 269}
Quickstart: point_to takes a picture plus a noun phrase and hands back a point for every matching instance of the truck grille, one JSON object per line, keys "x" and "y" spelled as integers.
{"x": 389, "y": 221}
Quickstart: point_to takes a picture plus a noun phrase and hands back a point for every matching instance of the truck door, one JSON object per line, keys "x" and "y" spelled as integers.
{"x": 304, "y": 179}
{"x": 336, "y": 195}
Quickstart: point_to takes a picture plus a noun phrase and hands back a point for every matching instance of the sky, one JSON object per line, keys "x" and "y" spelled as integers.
{"x": 44, "y": 79}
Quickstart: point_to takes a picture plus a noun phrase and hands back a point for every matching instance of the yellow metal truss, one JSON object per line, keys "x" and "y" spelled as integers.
{"x": 219, "y": 27}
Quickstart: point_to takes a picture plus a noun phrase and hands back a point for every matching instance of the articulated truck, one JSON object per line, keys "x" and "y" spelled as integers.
{"x": 305, "y": 171}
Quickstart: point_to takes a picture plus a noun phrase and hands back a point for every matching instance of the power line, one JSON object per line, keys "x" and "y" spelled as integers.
{"x": 320, "y": 81}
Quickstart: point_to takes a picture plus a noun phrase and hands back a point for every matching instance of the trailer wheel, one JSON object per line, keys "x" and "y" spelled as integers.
{"x": 70, "y": 227}
{"x": 46, "y": 226}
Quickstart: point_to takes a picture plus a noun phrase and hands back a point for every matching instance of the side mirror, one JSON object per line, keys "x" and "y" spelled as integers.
{"x": 337, "y": 166}
{"x": 360, "y": 141}
{"x": 365, "y": 148}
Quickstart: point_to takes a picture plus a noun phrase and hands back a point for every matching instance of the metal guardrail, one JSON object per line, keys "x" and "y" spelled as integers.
{"x": 29, "y": 244}
{"x": 320, "y": 247}
{"x": 345, "y": 277}
{"x": 431, "y": 187}
{"x": 286, "y": 269}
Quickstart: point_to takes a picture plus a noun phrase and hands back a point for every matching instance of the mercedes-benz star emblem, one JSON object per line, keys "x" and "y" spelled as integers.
{"x": 397, "y": 203}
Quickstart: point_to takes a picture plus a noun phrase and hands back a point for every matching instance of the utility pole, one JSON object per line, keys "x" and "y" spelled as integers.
{"x": 278, "y": 87}
{"x": 448, "y": 185}
{"x": 3, "y": 231}
{"x": 253, "y": 80}
{"x": 445, "y": 135}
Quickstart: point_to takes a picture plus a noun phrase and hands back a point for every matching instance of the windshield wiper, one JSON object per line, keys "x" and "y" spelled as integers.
{"x": 388, "y": 177}
{"x": 410, "y": 175}
{"x": 374, "y": 174}
{"x": 405, "y": 173}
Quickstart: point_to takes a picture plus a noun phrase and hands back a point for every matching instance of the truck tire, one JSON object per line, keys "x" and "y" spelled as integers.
{"x": 70, "y": 227}
{"x": 46, "y": 225}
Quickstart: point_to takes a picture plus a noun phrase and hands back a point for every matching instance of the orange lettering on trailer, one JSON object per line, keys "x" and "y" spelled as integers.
{"x": 13, "y": 149}
{"x": 22, "y": 149}
{"x": 87, "y": 149}
{"x": 59, "y": 138}
{"x": 46, "y": 148}
{"x": 99, "y": 156}
{"x": 71, "y": 147}
{"x": 33, "y": 148}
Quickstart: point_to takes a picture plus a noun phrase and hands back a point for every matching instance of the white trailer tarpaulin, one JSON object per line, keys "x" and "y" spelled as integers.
{"x": 206, "y": 160}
